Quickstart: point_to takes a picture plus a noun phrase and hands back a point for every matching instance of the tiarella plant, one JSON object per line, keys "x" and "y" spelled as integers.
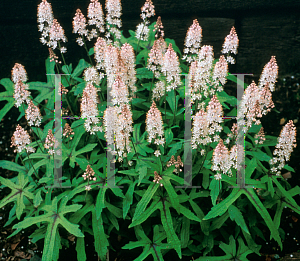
{"x": 124, "y": 159}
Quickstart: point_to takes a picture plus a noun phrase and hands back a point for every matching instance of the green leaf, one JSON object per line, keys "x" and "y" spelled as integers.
{"x": 7, "y": 96}
{"x": 222, "y": 207}
{"x": 100, "y": 201}
{"x": 145, "y": 200}
{"x": 12, "y": 166}
{"x": 80, "y": 249}
{"x": 37, "y": 198}
{"x": 156, "y": 204}
{"x": 17, "y": 193}
{"x": 173, "y": 198}
{"x": 166, "y": 220}
{"x": 54, "y": 217}
{"x": 101, "y": 242}
{"x": 82, "y": 64}
{"x": 264, "y": 214}
{"x": 236, "y": 215}
{"x": 215, "y": 187}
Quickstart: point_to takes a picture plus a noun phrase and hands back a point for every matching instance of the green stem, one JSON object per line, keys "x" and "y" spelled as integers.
{"x": 151, "y": 87}
{"x": 100, "y": 142}
{"x": 134, "y": 149}
{"x": 165, "y": 103}
{"x": 32, "y": 165}
{"x": 87, "y": 51}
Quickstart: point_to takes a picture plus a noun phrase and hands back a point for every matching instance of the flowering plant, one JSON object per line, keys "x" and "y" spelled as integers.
{"x": 109, "y": 171}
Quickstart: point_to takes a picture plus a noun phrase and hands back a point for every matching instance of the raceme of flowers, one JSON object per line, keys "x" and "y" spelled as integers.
{"x": 20, "y": 140}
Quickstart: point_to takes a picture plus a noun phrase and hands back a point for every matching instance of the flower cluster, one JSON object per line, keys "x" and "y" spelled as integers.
{"x": 67, "y": 132}
{"x": 157, "y": 178}
{"x": 260, "y": 136}
{"x": 223, "y": 159}
{"x": 113, "y": 8}
{"x": 154, "y": 126}
{"x": 142, "y": 32}
{"x": 286, "y": 144}
{"x": 178, "y": 164}
{"x": 57, "y": 34}
{"x": 19, "y": 77}
{"x": 50, "y": 142}
{"x": 79, "y": 24}
{"x": 156, "y": 56}
{"x": 20, "y": 140}
{"x": 230, "y": 45}
{"x": 254, "y": 104}
{"x": 89, "y": 173}
{"x": 33, "y": 115}
{"x": 206, "y": 125}
{"x": 118, "y": 128}
{"x": 89, "y": 109}
{"x": 45, "y": 20}
{"x": 170, "y": 68}
{"x": 95, "y": 15}
{"x": 269, "y": 74}
{"x": 147, "y": 10}
{"x": 192, "y": 41}
{"x": 158, "y": 27}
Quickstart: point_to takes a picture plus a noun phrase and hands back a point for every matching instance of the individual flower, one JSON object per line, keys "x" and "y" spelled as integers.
{"x": 192, "y": 41}
{"x": 50, "y": 142}
{"x": 33, "y": 115}
{"x": 147, "y": 10}
{"x": 142, "y": 32}
{"x": 171, "y": 69}
{"x": 154, "y": 125}
{"x": 157, "y": 178}
{"x": 21, "y": 94}
{"x": 283, "y": 149}
{"x": 80, "y": 42}
{"x": 45, "y": 20}
{"x": 20, "y": 140}
{"x": 269, "y": 75}
{"x": 89, "y": 109}
{"x": 113, "y": 8}
{"x": 79, "y": 23}
{"x": 95, "y": 15}
{"x": 67, "y": 131}
{"x": 230, "y": 45}
{"x": 18, "y": 73}
{"x": 57, "y": 34}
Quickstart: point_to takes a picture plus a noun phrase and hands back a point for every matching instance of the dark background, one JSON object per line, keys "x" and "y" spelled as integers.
{"x": 264, "y": 28}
